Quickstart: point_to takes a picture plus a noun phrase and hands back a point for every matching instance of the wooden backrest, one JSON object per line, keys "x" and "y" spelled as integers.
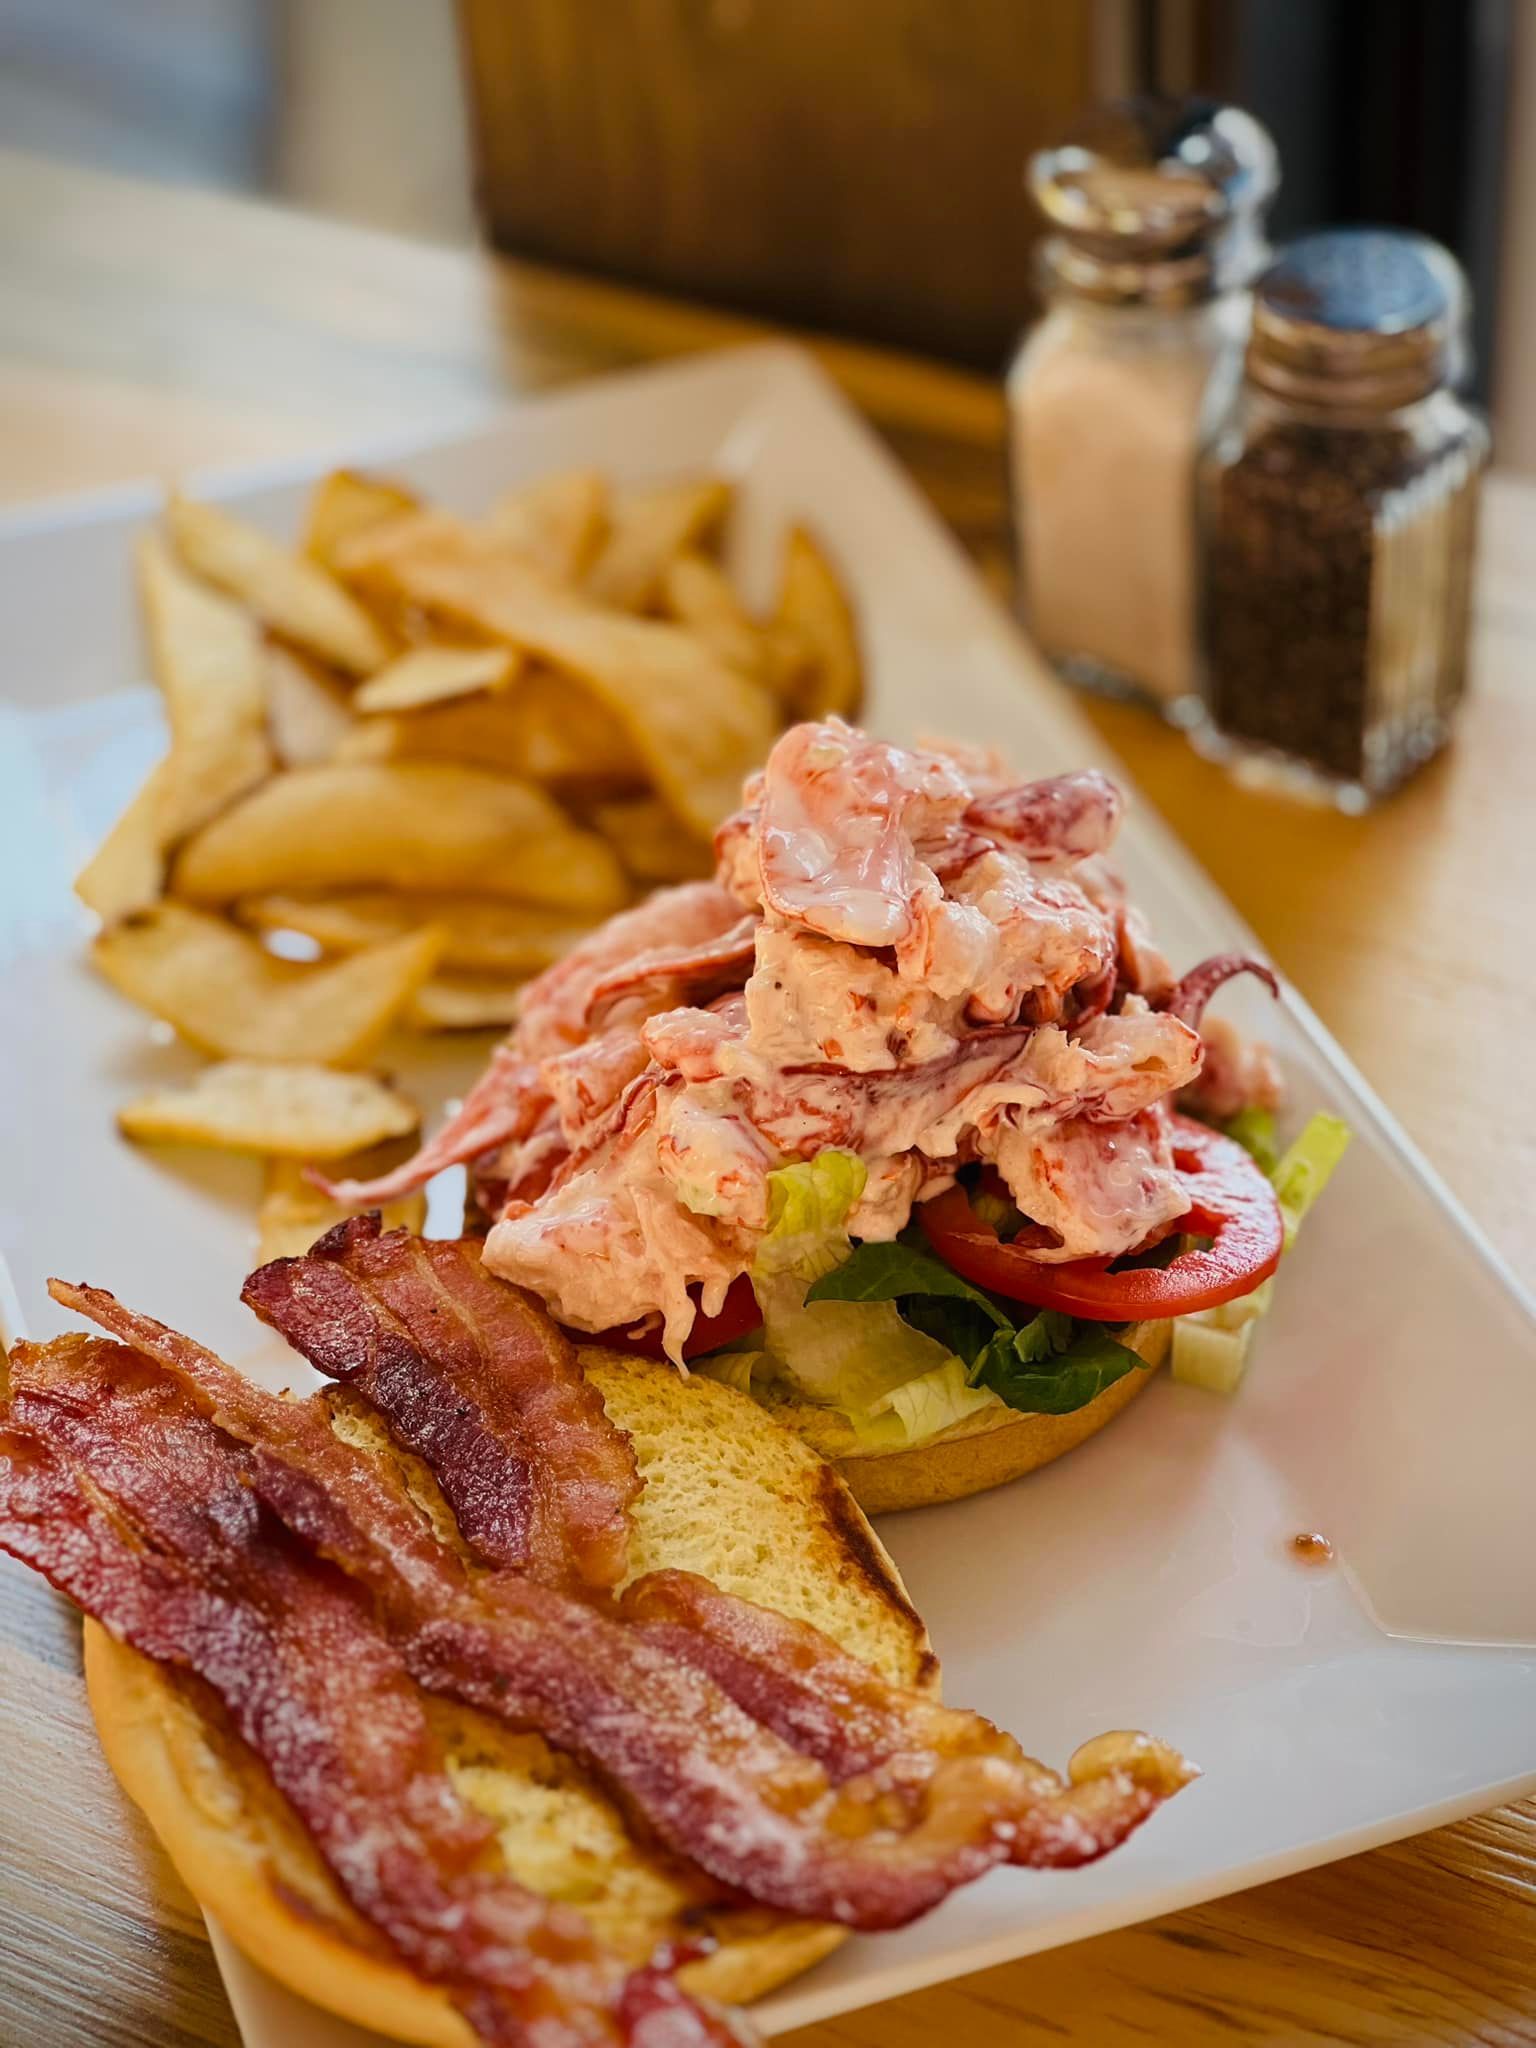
{"x": 845, "y": 164}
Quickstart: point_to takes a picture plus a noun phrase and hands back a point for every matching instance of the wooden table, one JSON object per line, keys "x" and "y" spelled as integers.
{"x": 145, "y": 330}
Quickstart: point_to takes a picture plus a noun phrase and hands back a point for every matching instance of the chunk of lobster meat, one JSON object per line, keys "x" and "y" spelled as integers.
{"x": 835, "y": 832}
{"x": 1103, "y": 1189}
{"x": 736, "y": 869}
{"x": 697, "y": 1044}
{"x": 585, "y": 1082}
{"x": 1049, "y": 937}
{"x": 600, "y": 1251}
{"x": 1238, "y": 1073}
{"x": 1135, "y": 1059}
{"x": 813, "y": 1000}
{"x": 553, "y": 1013}
{"x": 716, "y": 1165}
{"x": 502, "y": 1107}
{"x": 1060, "y": 818}
{"x": 668, "y": 974}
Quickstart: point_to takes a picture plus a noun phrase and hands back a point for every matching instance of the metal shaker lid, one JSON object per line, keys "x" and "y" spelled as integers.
{"x": 1156, "y": 198}
{"x": 1359, "y": 317}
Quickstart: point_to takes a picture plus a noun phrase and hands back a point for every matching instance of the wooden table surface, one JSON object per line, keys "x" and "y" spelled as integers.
{"x": 143, "y": 330}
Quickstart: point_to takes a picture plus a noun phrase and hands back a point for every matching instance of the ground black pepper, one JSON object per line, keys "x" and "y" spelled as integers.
{"x": 1338, "y": 498}
{"x": 1290, "y": 562}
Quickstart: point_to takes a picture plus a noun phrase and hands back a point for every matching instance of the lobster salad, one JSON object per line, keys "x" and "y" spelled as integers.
{"x": 903, "y": 1110}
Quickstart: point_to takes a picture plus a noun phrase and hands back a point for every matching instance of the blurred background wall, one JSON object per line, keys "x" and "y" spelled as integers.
{"x": 849, "y": 164}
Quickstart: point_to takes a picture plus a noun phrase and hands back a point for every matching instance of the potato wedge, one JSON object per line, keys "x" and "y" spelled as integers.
{"x": 294, "y": 1213}
{"x": 465, "y": 1002}
{"x": 697, "y": 724}
{"x": 207, "y": 657}
{"x": 558, "y": 522}
{"x": 227, "y": 995}
{"x": 483, "y": 932}
{"x": 648, "y": 529}
{"x": 300, "y": 1111}
{"x": 435, "y": 673}
{"x": 127, "y": 871}
{"x": 545, "y": 727}
{"x": 651, "y": 843}
{"x": 347, "y": 503}
{"x": 697, "y": 593}
{"x": 309, "y": 707}
{"x": 814, "y": 610}
{"x": 403, "y": 825}
{"x": 288, "y": 592}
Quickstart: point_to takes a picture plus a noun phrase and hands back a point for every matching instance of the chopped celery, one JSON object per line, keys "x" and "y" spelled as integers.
{"x": 1234, "y": 1315}
{"x": 1208, "y": 1357}
{"x": 1306, "y": 1168}
{"x": 1254, "y": 1130}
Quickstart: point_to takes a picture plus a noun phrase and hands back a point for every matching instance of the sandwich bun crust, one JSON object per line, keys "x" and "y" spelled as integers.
{"x": 984, "y": 1451}
{"x": 729, "y": 1494}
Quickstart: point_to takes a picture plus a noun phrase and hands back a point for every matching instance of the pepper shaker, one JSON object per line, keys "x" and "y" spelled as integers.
{"x": 1157, "y": 209}
{"x": 1339, "y": 500}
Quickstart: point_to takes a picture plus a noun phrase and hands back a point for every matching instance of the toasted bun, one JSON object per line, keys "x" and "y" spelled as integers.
{"x": 985, "y": 1450}
{"x": 727, "y": 1493}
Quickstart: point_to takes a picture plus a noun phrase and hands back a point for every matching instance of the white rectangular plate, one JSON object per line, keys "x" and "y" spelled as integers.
{"x": 1143, "y": 1582}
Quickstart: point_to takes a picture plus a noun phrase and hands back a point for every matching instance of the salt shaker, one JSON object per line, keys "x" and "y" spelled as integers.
{"x": 1157, "y": 210}
{"x": 1339, "y": 498}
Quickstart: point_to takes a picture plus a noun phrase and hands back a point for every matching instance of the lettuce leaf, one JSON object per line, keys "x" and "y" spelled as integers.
{"x": 808, "y": 1209}
{"x": 1037, "y": 1381}
{"x": 842, "y": 1354}
{"x": 1047, "y": 1365}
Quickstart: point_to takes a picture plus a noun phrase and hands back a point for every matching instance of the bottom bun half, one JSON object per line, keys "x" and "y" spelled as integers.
{"x": 984, "y": 1451}
{"x": 728, "y": 1493}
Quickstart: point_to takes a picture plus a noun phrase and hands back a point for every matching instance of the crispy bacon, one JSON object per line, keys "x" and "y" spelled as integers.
{"x": 1189, "y": 996}
{"x": 144, "y": 1513}
{"x": 1061, "y": 817}
{"x": 875, "y": 1850}
{"x": 504, "y": 1105}
{"x": 728, "y": 1760}
{"x": 325, "y": 1490}
{"x": 834, "y": 1708}
{"x": 475, "y": 1380}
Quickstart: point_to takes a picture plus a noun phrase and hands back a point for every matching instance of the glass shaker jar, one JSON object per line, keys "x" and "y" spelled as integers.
{"x": 1157, "y": 207}
{"x": 1338, "y": 505}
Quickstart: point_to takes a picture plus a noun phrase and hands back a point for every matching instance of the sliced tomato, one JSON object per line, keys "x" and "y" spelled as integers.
{"x": 738, "y": 1313}
{"x": 1231, "y": 1203}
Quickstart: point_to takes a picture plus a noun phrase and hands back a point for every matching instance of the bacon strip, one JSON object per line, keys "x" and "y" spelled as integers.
{"x": 1061, "y": 817}
{"x": 326, "y": 1490}
{"x": 504, "y": 1104}
{"x": 676, "y": 1732}
{"x": 834, "y": 1708}
{"x": 1189, "y": 996}
{"x": 875, "y": 1850}
{"x": 476, "y": 1381}
{"x": 143, "y": 1512}
{"x": 725, "y": 1788}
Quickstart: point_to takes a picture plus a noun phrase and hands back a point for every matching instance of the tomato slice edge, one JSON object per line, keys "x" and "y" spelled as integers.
{"x": 738, "y": 1313}
{"x": 1230, "y": 1201}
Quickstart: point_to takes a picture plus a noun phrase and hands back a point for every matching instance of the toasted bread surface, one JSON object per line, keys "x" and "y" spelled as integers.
{"x": 728, "y": 1493}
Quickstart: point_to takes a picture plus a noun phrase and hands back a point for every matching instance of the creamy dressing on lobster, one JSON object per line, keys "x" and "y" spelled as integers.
{"x": 902, "y": 954}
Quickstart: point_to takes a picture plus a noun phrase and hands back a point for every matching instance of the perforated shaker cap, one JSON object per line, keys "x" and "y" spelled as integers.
{"x": 1372, "y": 317}
{"x": 1156, "y": 198}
